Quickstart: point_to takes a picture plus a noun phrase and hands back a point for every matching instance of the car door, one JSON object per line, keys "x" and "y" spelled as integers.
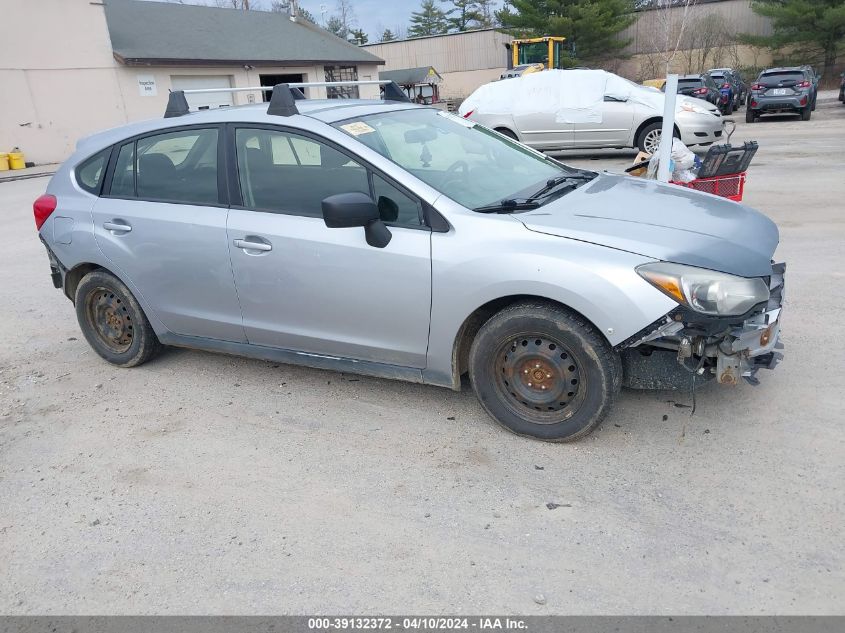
{"x": 162, "y": 224}
{"x": 614, "y": 129}
{"x": 309, "y": 288}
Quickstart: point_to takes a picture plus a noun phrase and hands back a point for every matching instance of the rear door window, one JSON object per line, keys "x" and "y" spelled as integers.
{"x": 178, "y": 166}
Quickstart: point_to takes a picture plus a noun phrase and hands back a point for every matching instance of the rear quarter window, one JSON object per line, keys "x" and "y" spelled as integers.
{"x": 89, "y": 174}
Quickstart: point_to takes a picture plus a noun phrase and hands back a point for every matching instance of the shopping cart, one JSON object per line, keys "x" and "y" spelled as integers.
{"x": 722, "y": 172}
{"x": 728, "y": 186}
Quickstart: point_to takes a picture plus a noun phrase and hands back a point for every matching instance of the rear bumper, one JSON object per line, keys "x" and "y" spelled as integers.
{"x": 57, "y": 271}
{"x": 772, "y": 105}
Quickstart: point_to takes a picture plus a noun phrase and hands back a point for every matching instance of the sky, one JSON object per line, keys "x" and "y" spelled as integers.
{"x": 372, "y": 15}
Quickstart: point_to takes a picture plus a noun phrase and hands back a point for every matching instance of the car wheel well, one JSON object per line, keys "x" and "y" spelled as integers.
{"x": 506, "y": 132}
{"x": 75, "y": 275}
{"x": 472, "y": 324}
{"x": 646, "y": 123}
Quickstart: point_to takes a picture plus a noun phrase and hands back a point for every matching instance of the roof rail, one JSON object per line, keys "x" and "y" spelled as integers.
{"x": 282, "y": 103}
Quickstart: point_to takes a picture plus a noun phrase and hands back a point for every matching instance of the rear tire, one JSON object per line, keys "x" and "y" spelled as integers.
{"x": 543, "y": 372}
{"x": 113, "y": 322}
{"x": 729, "y": 108}
{"x": 749, "y": 116}
{"x": 806, "y": 113}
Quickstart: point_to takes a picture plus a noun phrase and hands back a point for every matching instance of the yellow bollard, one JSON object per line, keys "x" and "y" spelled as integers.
{"x": 16, "y": 159}
{"x": 4, "y": 161}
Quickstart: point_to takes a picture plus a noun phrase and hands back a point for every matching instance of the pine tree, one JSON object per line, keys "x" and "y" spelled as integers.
{"x": 429, "y": 20}
{"x": 462, "y": 14}
{"x": 387, "y": 36}
{"x": 591, "y": 27}
{"x": 817, "y": 27}
{"x": 358, "y": 36}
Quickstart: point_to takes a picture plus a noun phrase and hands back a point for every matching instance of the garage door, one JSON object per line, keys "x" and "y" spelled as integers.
{"x": 205, "y": 100}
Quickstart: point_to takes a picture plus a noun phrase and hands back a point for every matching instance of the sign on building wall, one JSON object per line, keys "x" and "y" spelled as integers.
{"x": 147, "y": 85}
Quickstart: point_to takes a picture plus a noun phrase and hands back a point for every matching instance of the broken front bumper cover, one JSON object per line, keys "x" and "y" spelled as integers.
{"x": 755, "y": 344}
{"x": 726, "y": 348}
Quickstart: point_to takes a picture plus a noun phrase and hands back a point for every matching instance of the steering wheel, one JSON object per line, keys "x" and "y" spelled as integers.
{"x": 459, "y": 164}
{"x": 453, "y": 175}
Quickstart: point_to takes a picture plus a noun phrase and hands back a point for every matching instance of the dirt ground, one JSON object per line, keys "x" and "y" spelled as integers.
{"x": 203, "y": 483}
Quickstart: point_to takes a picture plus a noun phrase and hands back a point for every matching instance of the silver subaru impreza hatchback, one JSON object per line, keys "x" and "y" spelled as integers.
{"x": 401, "y": 241}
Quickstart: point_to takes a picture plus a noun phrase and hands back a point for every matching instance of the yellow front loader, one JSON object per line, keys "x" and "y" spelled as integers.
{"x": 535, "y": 54}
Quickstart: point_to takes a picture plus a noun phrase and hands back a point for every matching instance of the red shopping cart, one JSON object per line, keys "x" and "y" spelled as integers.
{"x": 728, "y": 186}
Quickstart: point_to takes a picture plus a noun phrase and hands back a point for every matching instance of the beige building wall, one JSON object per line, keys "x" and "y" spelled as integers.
{"x": 459, "y": 85}
{"x": 52, "y": 95}
{"x": 464, "y": 60}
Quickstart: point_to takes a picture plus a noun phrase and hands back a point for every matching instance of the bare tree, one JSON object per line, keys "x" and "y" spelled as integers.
{"x": 243, "y": 5}
{"x": 667, "y": 23}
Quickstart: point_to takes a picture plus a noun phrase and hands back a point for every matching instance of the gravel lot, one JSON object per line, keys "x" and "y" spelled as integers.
{"x": 202, "y": 483}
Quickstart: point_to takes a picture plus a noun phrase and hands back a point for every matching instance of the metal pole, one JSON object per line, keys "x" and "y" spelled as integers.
{"x": 667, "y": 131}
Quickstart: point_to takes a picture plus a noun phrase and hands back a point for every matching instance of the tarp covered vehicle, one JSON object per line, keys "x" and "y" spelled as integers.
{"x": 562, "y": 109}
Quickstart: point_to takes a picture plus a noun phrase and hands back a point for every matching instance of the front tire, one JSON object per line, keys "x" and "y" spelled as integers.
{"x": 113, "y": 322}
{"x": 648, "y": 140}
{"x": 543, "y": 372}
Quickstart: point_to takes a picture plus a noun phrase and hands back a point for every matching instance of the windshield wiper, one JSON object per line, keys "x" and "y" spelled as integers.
{"x": 553, "y": 183}
{"x": 508, "y": 205}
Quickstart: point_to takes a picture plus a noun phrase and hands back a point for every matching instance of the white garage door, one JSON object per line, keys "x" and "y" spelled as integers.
{"x": 205, "y": 100}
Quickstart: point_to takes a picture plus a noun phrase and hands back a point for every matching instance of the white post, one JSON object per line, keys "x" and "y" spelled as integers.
{"x": 668, "y": 129}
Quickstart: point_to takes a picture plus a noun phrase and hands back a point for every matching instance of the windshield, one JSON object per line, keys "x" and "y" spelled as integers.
{"x": 534, "y": 53}
{"x": 467, "y": 162}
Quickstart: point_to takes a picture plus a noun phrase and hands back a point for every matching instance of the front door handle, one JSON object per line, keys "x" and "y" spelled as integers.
{"x": 117, "y": 227}
{"x": 248, "y": 245}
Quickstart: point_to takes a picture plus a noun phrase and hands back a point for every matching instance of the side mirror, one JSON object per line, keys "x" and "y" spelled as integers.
{"x": 346, "y": 210}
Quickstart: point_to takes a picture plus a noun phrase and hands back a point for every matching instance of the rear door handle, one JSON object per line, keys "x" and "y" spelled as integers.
{"x": 117, "y": 227}
{"x": 248, "y": 245}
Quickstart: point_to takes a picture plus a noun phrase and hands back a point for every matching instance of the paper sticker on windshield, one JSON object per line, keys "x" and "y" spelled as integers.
{"x": 357, "y": 128}
{"x": 456, "y": 119}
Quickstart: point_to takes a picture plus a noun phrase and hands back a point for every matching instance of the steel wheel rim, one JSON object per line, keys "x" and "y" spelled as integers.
{"x": 109, "y": 317}
{"x": 539, "y": 378}
{"x": 652, "y": 141}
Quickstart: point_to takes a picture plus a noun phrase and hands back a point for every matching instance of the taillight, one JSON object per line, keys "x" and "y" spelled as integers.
{"x": 803, "y": 84}
{"x": 728, "y": 86}
{"x": 42, "y": 208}
{"x": 467, "y": 115}
{"x": 756, "y": 86}
{"x": 701, "y": 91}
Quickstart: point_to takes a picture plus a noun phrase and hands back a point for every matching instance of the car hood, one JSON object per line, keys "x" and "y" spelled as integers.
{"x": 662, "y": 221}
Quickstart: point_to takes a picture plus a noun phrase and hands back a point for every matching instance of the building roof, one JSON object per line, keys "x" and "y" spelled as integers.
{"x": 161, "y": 33}
{"x": 439, "y": 35}
{"x": 412, "y": 76}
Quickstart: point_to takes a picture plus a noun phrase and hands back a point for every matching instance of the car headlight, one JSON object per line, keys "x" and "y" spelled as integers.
{"x": 706, "y": 291}
{"x": 691, "y": 107}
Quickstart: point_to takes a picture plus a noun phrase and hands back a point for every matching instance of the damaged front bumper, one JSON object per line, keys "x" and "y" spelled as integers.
{"x": 686, "y": 346}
